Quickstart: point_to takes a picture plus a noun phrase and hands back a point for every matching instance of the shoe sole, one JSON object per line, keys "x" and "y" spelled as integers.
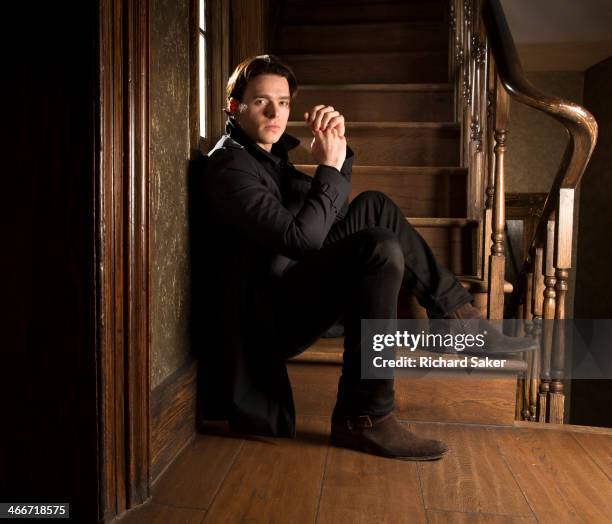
{"x": 374, "y": 451}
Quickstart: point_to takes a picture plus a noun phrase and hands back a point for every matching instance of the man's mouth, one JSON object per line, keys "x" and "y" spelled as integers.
{"x": 272, "y": 128}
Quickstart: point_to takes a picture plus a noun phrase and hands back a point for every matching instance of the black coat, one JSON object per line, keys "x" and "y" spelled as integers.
{"x": 261, "y": 216}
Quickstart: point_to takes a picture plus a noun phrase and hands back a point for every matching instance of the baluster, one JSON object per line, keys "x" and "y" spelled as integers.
{"x": 480, "y": 182}
{"x": 498, "y": 258}
{"x": 528, "y": 323}
{"x": 517, "y": 331}
{"x": 490, "y": 168}
{"x": 467, "y": 81}
{"x": 458, "y": 59}
{"x": 452, "y": 19}
{"x": 538, "y": 304}
{"x": 549, "y": 315}
{"x": 563, "y": 262}
{"x": 475, "y": 195}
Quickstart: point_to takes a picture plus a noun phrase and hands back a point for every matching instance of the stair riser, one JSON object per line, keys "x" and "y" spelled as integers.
{"x": 379, "y": 106}
{"x": 418, "y": 195}
{"x": 369, "y": 68}
{"x": 362, "y": 37}
{"x": 451, "y": 246}
{"x": 328, "y": 13}
{"x": 408, "y": 307}
{"x": 417, "y": 147}
{"x": 440, "y": 397}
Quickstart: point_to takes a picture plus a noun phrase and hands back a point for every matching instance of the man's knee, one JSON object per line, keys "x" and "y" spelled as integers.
{"x": 371, "y": 198}
{"x": 383, "y": 249}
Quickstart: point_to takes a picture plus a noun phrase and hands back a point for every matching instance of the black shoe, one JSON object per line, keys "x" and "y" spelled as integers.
{"x": 383, "y": 436}
{"x": 468, "y": 320}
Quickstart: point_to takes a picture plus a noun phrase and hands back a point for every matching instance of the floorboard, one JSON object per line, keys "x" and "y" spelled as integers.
{"x": 361, "y": 488}
{"x": 559, "y": 479}
{"x": 491, "y": 475}
{"x": 473, "y": 477}
{"x": 456, "y": 517}
{"x": 194, "y": 477}
{"x": 275, "y": 480}
{"x": 599, "y": 448}
{"x": 152, "y": 513}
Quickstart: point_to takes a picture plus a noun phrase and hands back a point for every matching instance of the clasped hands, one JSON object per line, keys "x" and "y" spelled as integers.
{"x": 328, "y": 146}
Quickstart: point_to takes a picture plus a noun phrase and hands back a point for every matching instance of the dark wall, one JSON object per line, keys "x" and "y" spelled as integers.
{"x": 590, "y": 403}
{"x": 48, "y": 369}
{"x": 169, "y": 162}
{"x": 593, "y": 283}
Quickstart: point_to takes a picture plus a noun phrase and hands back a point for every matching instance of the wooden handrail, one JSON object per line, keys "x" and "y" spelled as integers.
{"x": 487, "y": 69}
{"x": 579, "y": 123}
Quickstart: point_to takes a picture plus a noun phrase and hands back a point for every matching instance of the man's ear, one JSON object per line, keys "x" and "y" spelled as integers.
{"x": 232, "y": 107}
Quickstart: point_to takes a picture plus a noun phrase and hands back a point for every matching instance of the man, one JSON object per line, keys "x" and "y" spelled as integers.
{"x": 292, "y": 256}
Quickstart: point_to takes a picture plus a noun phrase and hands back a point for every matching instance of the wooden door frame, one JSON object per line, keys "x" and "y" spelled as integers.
{"x": 122, "y": 256}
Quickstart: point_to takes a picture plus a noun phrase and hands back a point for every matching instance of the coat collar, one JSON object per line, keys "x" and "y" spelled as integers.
{"x": 280, "y": 150}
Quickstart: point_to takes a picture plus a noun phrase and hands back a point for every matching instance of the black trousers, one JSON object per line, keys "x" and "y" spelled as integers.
{"x": 357, "y": 274}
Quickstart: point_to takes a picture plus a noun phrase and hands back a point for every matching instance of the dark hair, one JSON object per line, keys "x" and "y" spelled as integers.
{"x": 255, "y": 66}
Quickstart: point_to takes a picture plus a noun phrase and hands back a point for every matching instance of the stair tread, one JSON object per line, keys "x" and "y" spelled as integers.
{"x": 357, "y": 11}
{"x": 393, "y": 170}
{"x": 441, "y": 222}
{"x": 385, "y": 125}
{"x": 347, "y": 55}
{"x": 356, "y": 2}
{"x": 432, "y": 86}
{"x": 417, "y": 24}
{"x": 330, "y": 350}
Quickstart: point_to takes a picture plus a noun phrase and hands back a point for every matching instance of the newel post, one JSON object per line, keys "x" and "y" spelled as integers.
{"x": 563, "y": 263}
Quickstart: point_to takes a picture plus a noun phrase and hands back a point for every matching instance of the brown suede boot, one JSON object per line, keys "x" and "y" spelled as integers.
{"x": 471, "y": 321}
{"x": 383, "y": 436}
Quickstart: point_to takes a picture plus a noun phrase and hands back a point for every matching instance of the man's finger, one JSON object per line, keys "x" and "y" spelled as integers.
{"x": 320, "y": 114}
{"x": 327, "y": 117}
{"x": 337, "y": 122}
{"x": 313, "y": 113}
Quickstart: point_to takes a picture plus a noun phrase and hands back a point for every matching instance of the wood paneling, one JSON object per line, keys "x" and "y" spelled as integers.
{"x": 123, "y": 264}
{"x": 173, "y": 408}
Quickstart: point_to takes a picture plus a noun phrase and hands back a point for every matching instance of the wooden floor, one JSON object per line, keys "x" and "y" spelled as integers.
{"x": 492, "y": 474}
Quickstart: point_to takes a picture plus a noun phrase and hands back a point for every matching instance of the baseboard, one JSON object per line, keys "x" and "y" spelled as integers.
{"x": 173, "y": 409}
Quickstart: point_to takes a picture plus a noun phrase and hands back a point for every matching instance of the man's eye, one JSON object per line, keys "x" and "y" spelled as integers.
{"x": 259, "y": 102}
{"x": 285, "y": 103}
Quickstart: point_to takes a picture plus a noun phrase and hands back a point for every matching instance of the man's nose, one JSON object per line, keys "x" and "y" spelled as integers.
{"x": 271, "y": 110}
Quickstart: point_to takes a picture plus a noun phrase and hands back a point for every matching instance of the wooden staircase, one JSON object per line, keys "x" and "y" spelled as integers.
{"x": 385, "y": 66}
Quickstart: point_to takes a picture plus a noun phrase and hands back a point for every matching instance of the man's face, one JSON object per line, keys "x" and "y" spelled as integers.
{"x": 264, "y": 110}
